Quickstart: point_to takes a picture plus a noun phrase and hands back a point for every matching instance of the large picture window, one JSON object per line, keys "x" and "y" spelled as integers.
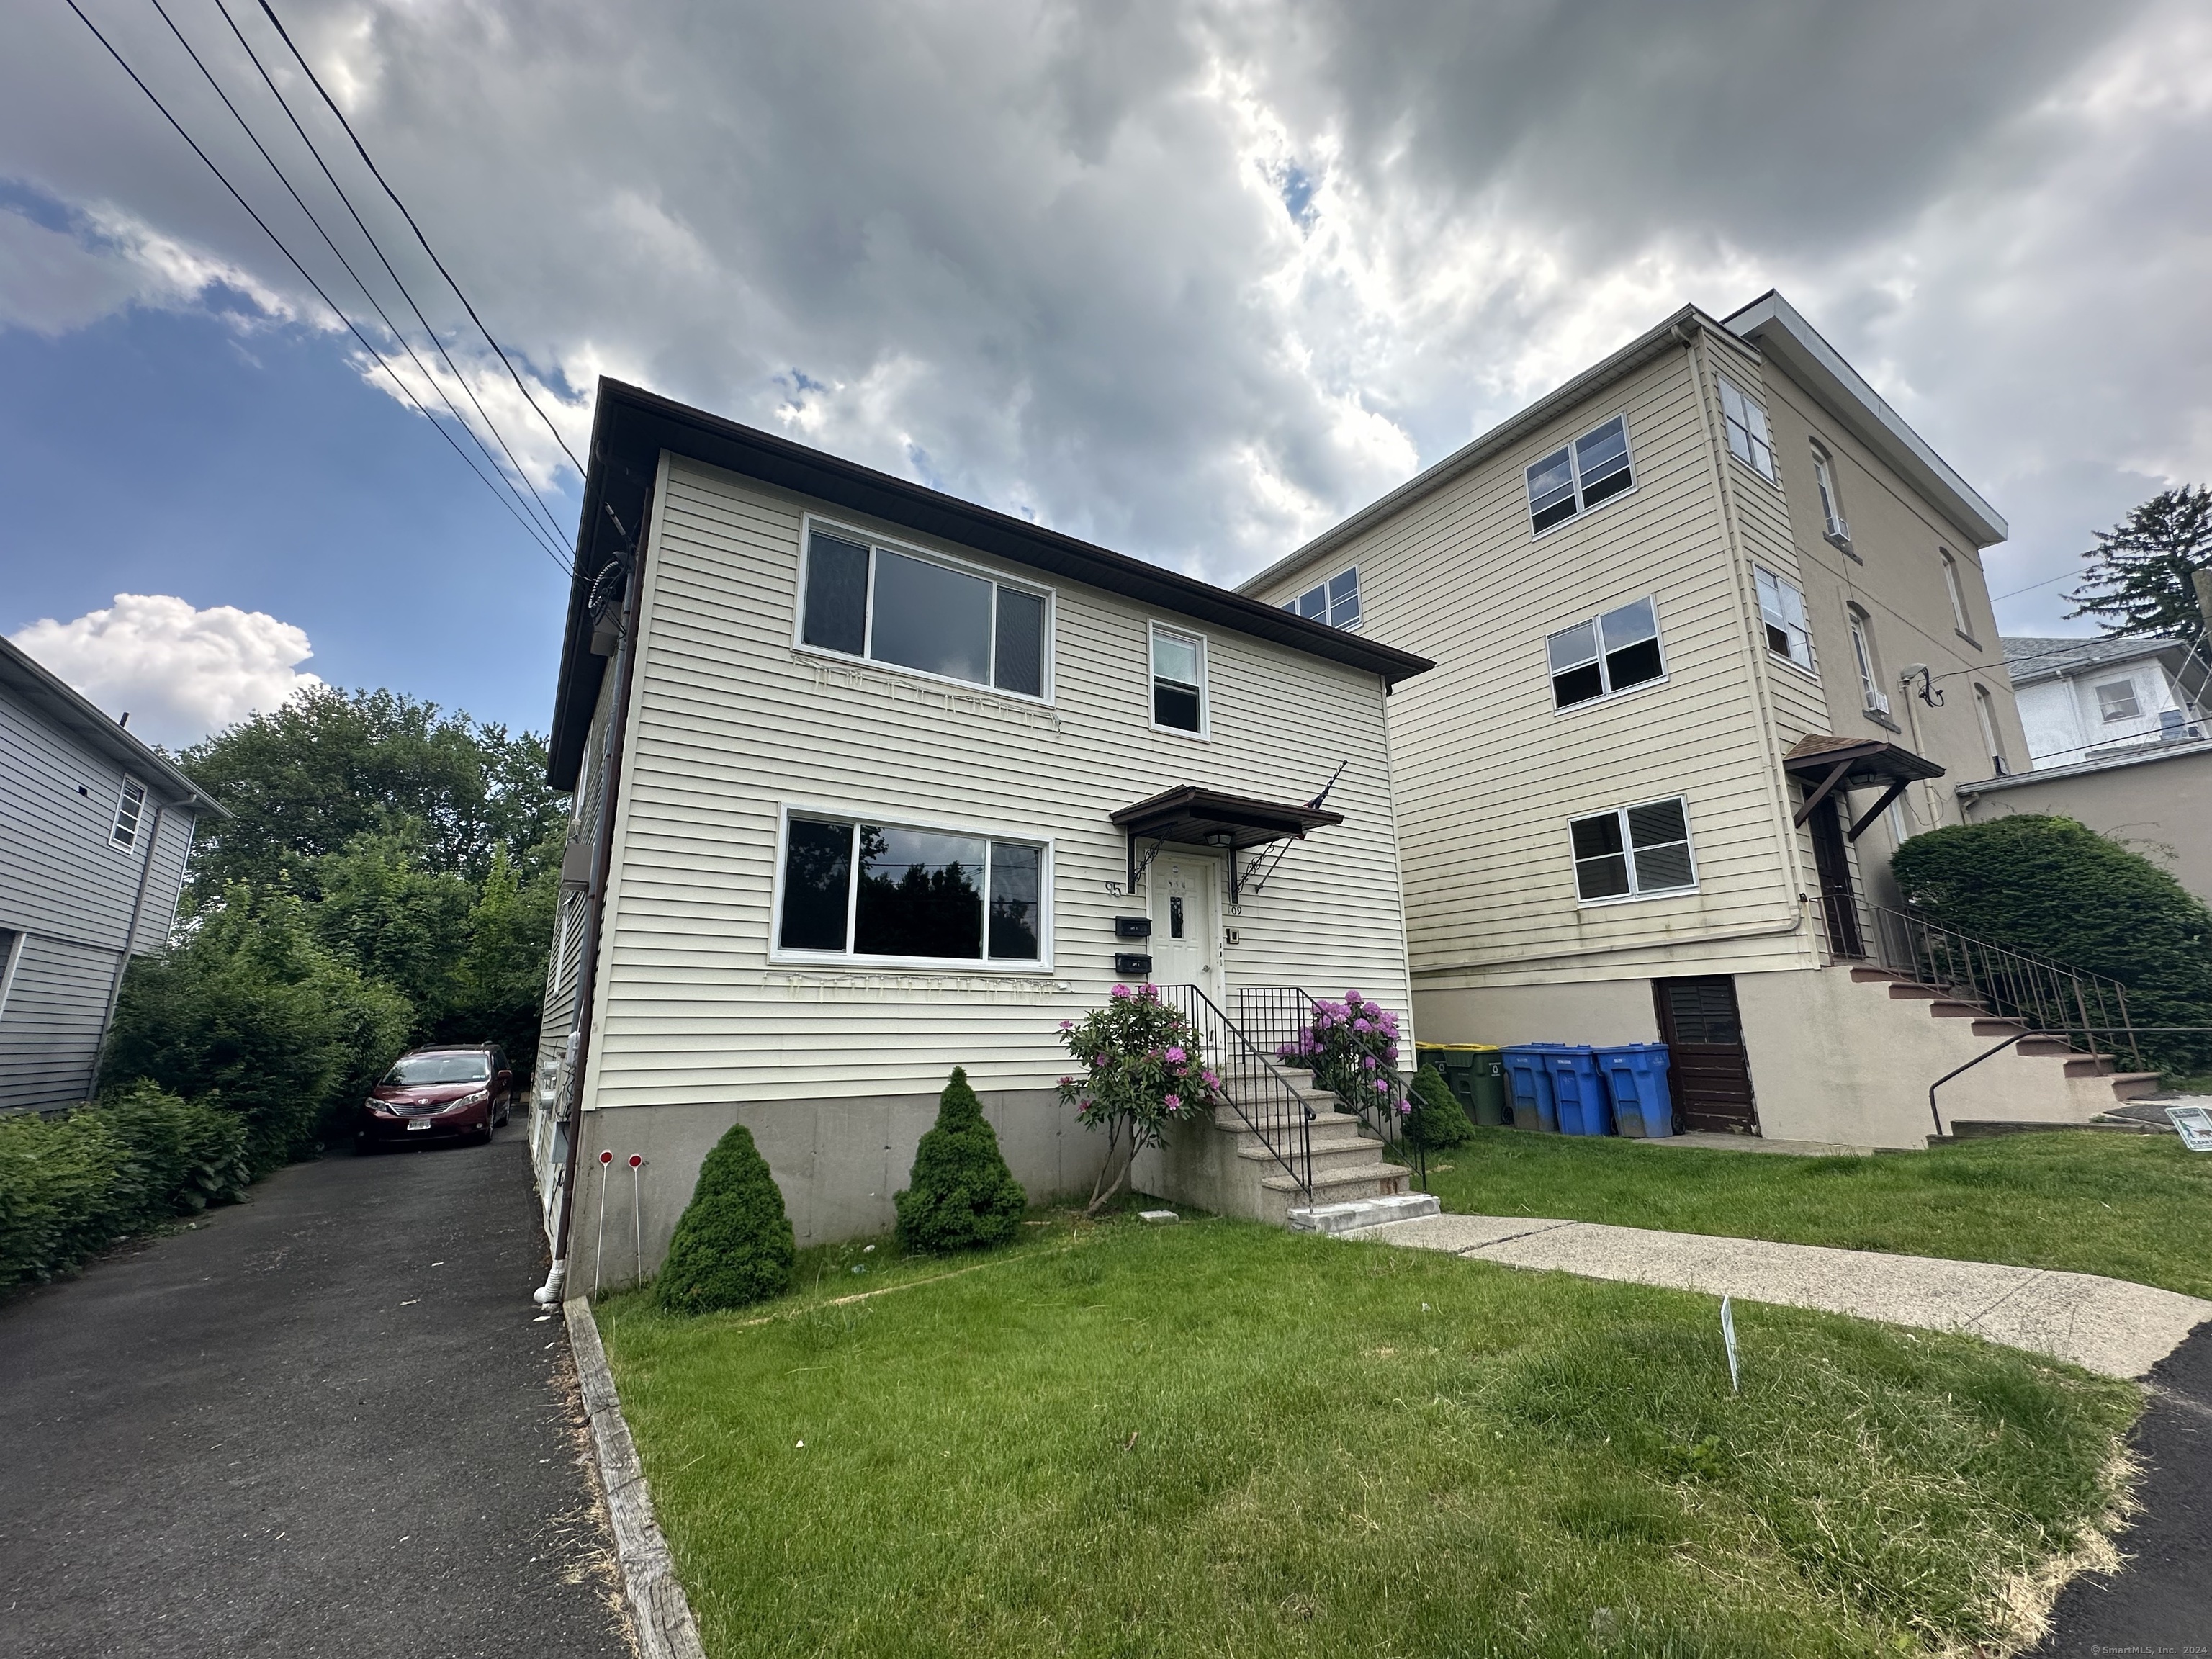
{"x": 1592, "y": 469}
{"x": 1608, "y": 654}
{"x": 1633, "y": 852}
{"x": 855, "y": 888}
{"x": 865, "y": 600}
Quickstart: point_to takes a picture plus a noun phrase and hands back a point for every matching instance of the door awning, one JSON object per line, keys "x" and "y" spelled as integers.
{"x": 1190, "y": 815}
{"x": 1828, "y": 763}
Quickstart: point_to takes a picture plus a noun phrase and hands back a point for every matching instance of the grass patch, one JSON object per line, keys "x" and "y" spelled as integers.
{"x": 1217, "y": 1438}
{"x": 2133, "y": 1207}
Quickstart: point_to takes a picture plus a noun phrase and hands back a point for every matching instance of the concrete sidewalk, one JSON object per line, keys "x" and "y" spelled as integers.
{"x": 2104, "y": 1325}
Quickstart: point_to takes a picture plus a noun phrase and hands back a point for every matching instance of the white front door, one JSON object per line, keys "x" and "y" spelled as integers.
{"x": 1185, "y": 935}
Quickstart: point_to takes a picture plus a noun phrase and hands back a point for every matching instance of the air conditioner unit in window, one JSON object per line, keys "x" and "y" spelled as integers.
{"x": 1877, "y": 702}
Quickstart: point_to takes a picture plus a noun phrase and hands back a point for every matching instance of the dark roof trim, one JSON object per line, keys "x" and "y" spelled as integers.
{"x": 70, "y": 710}
{"x": 1870, "y": 759}
{"x": 1189, "y": 813}
{"x": 631, "y": 428}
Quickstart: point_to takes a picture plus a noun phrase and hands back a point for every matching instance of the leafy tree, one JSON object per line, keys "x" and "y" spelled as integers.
{"x": 498, "y": 987}
{"x": 396, "y": 920}
{"x": 2139, "y": 579}
{"x": 733, "y": 1245}
{"x": 964, "y": 1197}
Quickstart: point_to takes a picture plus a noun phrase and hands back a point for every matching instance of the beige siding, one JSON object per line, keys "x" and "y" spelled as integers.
{"x": 731, "y": 721}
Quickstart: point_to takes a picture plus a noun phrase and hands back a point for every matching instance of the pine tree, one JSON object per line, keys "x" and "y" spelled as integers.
{"x": 733, "y": 1245}
{"x": 2140, "y": 577}
{"x": 964, "y": 1196}
{"x": 1437, "y": 1119}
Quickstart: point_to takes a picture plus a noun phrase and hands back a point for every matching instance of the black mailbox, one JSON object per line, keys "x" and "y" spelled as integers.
{"x": 1132, "y": 927}
{"x": 1128, "y": 962}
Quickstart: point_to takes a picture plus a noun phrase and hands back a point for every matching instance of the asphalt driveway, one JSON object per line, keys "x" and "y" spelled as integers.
{"x": 326, "y": 1422}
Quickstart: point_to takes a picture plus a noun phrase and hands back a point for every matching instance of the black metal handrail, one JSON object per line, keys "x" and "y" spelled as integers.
{"x": 2049, "y": 998}
{"x": 1279, "y": 1018}
{"x": 1254, "y": 1083}
{"x": 2022, "y": 1036}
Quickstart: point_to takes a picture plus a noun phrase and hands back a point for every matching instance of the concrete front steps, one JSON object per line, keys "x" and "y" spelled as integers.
{"x": 1225, "y": 1166}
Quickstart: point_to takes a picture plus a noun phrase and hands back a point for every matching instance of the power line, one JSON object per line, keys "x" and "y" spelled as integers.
{"x": 305, "y": 276}
{"x": 551, "y": 547}
{"x": 2067, "y": 576}
{"x": 362, "y": 150}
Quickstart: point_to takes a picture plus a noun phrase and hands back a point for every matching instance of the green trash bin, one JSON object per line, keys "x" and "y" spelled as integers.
{"x": 1476, "y": 1075}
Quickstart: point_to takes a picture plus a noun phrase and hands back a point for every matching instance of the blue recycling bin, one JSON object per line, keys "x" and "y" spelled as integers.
{"x": 1636, "y": 1080}
{"x": 1529, "y": 1087}
{"x": 1578, "y": 1091}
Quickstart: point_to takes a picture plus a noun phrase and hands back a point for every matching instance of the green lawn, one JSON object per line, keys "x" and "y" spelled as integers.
{"x": 1221, "y": 1438}
{"x": 2134, "y": 1206}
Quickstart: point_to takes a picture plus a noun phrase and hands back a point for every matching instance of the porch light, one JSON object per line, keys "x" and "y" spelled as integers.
{"x": 1220, "y": 838}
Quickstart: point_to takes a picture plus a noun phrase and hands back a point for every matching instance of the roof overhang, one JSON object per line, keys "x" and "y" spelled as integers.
{"x": 2071, "y": 670}
{"x": 1829, "y": 765}
{"x": 1782, "y": 334}
{"x": 1192, "y": 817}
{"x": 631, "y": 428}
{"x": 70, "y": 711}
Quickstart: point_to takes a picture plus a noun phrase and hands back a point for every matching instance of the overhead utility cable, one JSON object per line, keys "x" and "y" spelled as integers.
{"x": 254, "y": 138}
{"x": 305, "y": 276}
{"x": 362, "y": 150}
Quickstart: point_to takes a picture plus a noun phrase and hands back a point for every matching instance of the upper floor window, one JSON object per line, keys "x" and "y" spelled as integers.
{"x": 2115, "y": 700}
{"x": 1335, "y": 601}
{"x": 1633, "y": 851}
{"x": 1782, "y": 614}
{"x": 1576, "y": 479}
{"x": 878, "y": 890}
{"x": 1608, "y": 654}
{"x": 1956, "y": 591}
{"x": 1748, "y": 437}
{"x": 1178, "y": 680}
{"x": 129, "y": 804}
{"x": 1877, "y": 700}
{"x": 863, "y": 600}
{"x": 1832, "y": 504}
{"x": 1985, "y": 711}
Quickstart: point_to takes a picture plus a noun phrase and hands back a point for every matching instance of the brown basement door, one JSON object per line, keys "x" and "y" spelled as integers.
{"x": 1708, "y": 1070}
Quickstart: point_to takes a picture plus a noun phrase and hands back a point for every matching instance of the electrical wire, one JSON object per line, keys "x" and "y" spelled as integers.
{"x": 550, "y": 546}
{"x": 223, "y": 179}
{"x": 362, "y": 150}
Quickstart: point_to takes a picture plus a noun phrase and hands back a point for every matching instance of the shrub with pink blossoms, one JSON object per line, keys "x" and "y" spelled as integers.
{"x": 1351, "y": 1048}
{"x": 1142, "y": 1074}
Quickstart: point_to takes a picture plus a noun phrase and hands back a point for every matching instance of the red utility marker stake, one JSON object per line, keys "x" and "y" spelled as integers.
{"x": 600, "y": 1249}
{"x": 636, "y": 1215}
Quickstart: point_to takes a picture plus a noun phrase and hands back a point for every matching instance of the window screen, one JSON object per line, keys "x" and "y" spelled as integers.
{"x": 1782, "y": 615}
{"x": 1576, "y": 479}
{"x": 1178, "y": 682}
{"x": 926, "y": 615}
{"x": 881, "y": 891}
{"x": 1019, "y": 663}
{"x": 1632, "y": 850}
{"x": 1608, "y": 654}
{"x": 836, "y": 595}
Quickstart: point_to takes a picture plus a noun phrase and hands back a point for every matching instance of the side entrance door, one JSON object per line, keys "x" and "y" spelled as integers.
{"x": 1831, "y": 865}
{"x": 1182, "y": 887}
{"x": 1708, "y": 1069}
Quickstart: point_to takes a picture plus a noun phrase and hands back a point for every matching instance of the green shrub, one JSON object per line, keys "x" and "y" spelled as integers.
{"x": 2055, "y": 888}
{"x": 734, "y": 1246}
{"x": 1437, "y": 1119}
{"x": 964, "y": 1197}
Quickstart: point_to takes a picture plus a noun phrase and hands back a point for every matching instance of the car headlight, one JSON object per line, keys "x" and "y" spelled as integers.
{"x": 476, "y": 1099}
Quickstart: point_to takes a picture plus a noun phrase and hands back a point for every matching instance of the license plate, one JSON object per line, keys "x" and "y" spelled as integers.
{"x": 415, "y": 1123}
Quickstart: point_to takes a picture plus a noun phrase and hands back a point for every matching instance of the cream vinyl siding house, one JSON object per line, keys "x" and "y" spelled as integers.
{"x": 724, "y": 989}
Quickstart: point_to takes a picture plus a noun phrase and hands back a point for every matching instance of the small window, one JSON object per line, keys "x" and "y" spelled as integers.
{"x": 1956, "y": 592}
{"x": 1782, "y": 614}
{"x": 129, "y": 805}
{"x": 1594, "y": 468}
{"x": 1877, "y": 701}
{"x": 1985, "y": 711}
{"x": 912, "y": 612}
{"x": 1178, "y": 681}
{"x": 1335, "y": 601}
{"x": 1748, "y": 437}
{"x": 1832, "y": 504}
{"x": 1633, "y": 851}
{"x": 871, "y": 890}
{"x": 1608, "y": 654}
{"x": 2115, "y": 700}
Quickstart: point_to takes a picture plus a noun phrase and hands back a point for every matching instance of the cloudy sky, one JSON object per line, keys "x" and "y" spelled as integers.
{"x": 1190, "y": 280}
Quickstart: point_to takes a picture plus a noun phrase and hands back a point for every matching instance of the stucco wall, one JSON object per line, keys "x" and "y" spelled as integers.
{"x": 2160, "y": 807}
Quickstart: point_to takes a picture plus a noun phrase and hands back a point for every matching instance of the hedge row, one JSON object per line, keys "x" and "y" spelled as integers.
{"x": 71, "y": 1186}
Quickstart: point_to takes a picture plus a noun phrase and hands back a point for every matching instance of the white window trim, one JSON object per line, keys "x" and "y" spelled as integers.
{"x": 786, "y": 811}
{"x": 1580, "y": 512}
{"x": 2098, "y": 687}
{"x": 1767, "y": 420}
{"x": 1955, "y": 589}
{"x": 1833, "y": 524}
{"x": 1205, "y": 732}
{"x": 1665, "y": 658}
{"x": 1689, "y": 844}
{"x": 1985, "y": 715}
{"x": 808, "y": 522}
{"x": 12, "y": 947}
{"x": 1322, "y": 586}
{"x": 1864, "y": 662}
{"x": 1812, "y": 671}
{"x": 137, "y": 821}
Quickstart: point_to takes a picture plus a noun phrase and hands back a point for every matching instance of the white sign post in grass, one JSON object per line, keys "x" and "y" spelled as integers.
{"x": 1728, "y": 1336}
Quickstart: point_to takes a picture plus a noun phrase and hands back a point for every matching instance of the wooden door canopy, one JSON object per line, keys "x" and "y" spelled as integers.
{"x": 1851, "y": 763}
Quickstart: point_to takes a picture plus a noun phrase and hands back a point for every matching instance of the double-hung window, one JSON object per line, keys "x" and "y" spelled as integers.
{"x": 1335, "y": 601}
{"x": 1877, "y": 700}
{"x": 1831, "y": 505}
{"x": 1178, "y": 681}
{"x": 1782, "y": 615}
{"x": 861, "y": 890}
{"x": 1594, "y": 468}
{"x": 129, "y": 806}
{"x": 1956, "y": 591}
{"x": 1748, "y": 438}
{"x": 1607, "y": 653}
{"x": 865, "y": 600}
{"x": 2115, "y": 700}
{"x": 1634, "y": 852}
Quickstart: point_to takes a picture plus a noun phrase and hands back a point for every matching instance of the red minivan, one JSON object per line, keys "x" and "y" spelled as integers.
{"x": 437, "y": 1094}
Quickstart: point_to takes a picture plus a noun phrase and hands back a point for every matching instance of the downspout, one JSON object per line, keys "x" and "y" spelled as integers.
{"x": 130, "y": 943}
{"x": 587, "y": 965}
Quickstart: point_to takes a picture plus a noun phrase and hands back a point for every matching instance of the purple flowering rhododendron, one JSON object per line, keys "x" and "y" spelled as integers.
{"x": 1144, "y": 1071}
{"x": 1351, "y": 1048}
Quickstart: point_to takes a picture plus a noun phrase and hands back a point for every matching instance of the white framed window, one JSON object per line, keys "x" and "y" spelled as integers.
{"x": 1748, "y": 440}
{"x": 1782, "y": 616}
{"x": 129, "y": 807}
{"x": 1832, "y": 524}
{"x": 2117, "y": 701}
{"x": 1335, "y": 601}
{"x": 1877, "y": 700}
{"x": 1179, "y": 699}
{"x": 1594, "y": 468}
{"x": 1634, "y": 852}
{"x": 922, "y": 612}
{"x": 1956, "y": 591}
{"x": 1985, "y": 712}
{"x": 1610, "y": 653}
{"x": 861, "y": 888}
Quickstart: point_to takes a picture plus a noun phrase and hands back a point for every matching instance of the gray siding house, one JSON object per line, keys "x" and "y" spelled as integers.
{"x": 95, "y": 830}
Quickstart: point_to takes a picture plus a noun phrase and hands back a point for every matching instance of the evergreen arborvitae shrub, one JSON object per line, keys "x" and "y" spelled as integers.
{"x": 964, "y": 1196}
{"x": 1437, "y": 1119}
{"x": 734, "y": 1246}
{"x": 2055, "y": 888}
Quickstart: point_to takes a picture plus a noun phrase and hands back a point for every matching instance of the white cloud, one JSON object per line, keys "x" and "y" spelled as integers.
{"x": 180, "y": 673}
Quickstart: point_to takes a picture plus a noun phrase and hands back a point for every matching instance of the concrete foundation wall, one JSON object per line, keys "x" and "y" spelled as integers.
{"x": 837, "y": 1162}
{"x": 1588, "y": 1011}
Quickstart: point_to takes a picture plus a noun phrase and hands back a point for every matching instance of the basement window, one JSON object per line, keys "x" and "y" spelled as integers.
{"x": 931, "y": 614}
{"x": 1594, "y": 468}
{"x": 1634, "y": 852}
{"x": 1608, "y": 654}
{"x": 862, "y": 891}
